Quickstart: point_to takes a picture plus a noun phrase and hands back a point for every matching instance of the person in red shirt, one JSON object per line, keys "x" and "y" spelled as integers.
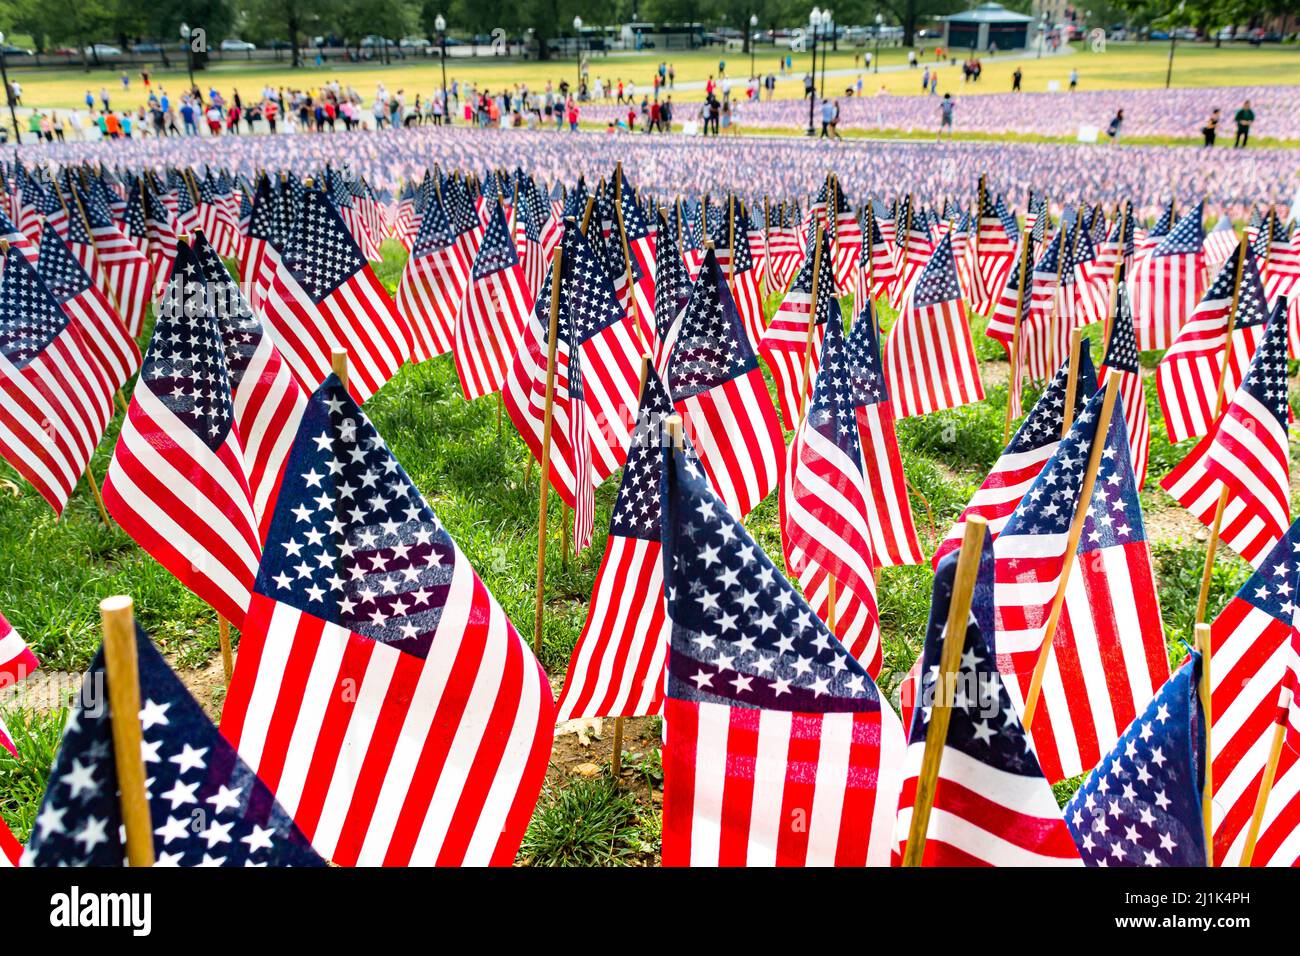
{"x": 656, "y": 118}
{"x": 269, "y": 113}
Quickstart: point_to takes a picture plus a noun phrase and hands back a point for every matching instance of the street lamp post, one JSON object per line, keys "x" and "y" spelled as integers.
{"x": 880, "y": 22}
{"x": 440, "y": 24}
{"x": 826, "y": 22}
{"x": 1042, "y": 34}
{"x": 9, "y": 93}
{"x": 577, "y": 30}
{"x": 753, "y": 22}
{"x": 814, "y": 20}
{"x": 186, "y": 32}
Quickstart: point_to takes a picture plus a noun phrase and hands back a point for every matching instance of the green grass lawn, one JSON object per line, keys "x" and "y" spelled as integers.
{"x": 472, "y": 471}
{"x": 1122, "y": 66}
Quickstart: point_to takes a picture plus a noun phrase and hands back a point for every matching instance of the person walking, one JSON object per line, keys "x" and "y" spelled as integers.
{"x": 1074, "y": 80}
{"x": 1115, "y": 125}
{"x": 1211, "y": 128}
{"x": 828, "y": 120}
{"x": 1243, "y": 118}
{"x": 1016, "y": 77}
{"x": 945, "y": 117}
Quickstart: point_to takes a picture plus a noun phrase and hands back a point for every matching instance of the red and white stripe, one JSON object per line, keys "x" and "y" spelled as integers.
{"x": 431, "y": 761}
{"x": 930, "y": 360}
{"x": 488, "y": 327}
{"x": 429, "y": 296}
{"x": 733, "y": 777}
{"x": 1165, "y": 292}
{"x": 16, "y": 659}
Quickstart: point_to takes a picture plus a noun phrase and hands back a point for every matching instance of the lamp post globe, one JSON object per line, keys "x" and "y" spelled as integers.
{"x": 880, "y": 22}
{"x": 440, "y": 24}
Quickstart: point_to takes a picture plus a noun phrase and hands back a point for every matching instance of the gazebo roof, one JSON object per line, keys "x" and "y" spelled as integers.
{"x": 989, "y": 13}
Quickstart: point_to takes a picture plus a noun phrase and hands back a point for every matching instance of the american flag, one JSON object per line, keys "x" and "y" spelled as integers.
{"x": 642, "y": 240}
{"x": 438, "y": 753}
{"x": 16, "y": 658}
{"x": 1049, "y": 318}
{"x": 716, "y": 384}
{"x": 930, "y": 361}
{"x": 743, "y": 277}
{"x": 207, "y": 807}
{"x": 1220, "y": 243}
{"x": 266, "y": 398}
{"x": 1251, "y": 644}
{"x": 617, "y": 666}
{"x": 11, "y": 234}
{"x": 672, "y": 292}
{"x": 26, "y": 202}
{"x": 1010, "y": 305}
{"x": 996, "y": 244}
{"x": 217, "y": 220}
{"x": 1122, "y": 359}
{"x": 1168, "y": 283}
{"x": 1091, "y": 286}
{"x": 992, "y": 804}
{"x": 1107, "y": 654}
{"x": 54, "y": 399}
{"x": 826, "y": 517}
{"x": 1189, "y": 373}
{"x": 587, "y": 302}
{"x": 127, "y": 273}
{"x": 914, "y": 248}
{"x": 532, "y": 213}
{"x": 1281, "y": 274}
{"x": 94, "y": 315}
{"x": 11, "y": 851}
{"x": 783, "y": 252}
{"x": 779, "y": 749}
{"x": 493, "y": 310}
{"x": 1158, "y": 231}
{"x": 260, "y": 257}
{"x": 1141, "y": 806}
{"x": 433, "y": 283}
{"x": 876, "y": 275}
{"x": 325, "y": 296}
{"x": 889, "y": 514}
{"x": 785, "y": 345}
{"x": 844, "y": 230}
{"x": 161, "y": 236}
{"x": 177, "y": 483}
{"x": 1246, "y": 450}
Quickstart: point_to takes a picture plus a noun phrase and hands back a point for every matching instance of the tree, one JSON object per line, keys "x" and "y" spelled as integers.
{"x": 297, "y": 17}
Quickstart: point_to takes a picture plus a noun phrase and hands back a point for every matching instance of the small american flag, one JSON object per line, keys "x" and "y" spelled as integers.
{"x": 16, "y": 658}
{"x": 160, "y": 236}
{"x": 1141, "y": 806}
{"x": 672, "y": 292}
{"x": 1247, "y": 449}
{"x": 996, "y": 245}
{"x": 261, "y": 252}
{"x": 381, "y": 691}
{"x": 1168, "y": 283}
{"x": 587, "y": 304}
{"x": 889, "y": 513}
{"x": 433, "y": 283}
{"x": 11, "y": 234}
{"x": 1251, "y": 645}
{"x": 493, "y": 310}
{"x": 930, "y": 361}
{"x": 779, "y": 749}
{"x": 743, "y": 276}
{"x": 54, "y": 399}
{"x": 207, "y": 807}
{"x": 783, "y": 252}
{"x": 784, "y": 345}
{"x": 1122, "y": 360}
{"x": 1107, "y": 654}
{"x": 93, "y": 314}
{"x": 992, "y": 804}
{"x": 716, "y": 384}
{"x": 1220, "y": 243}
{"x": 266, "y": 398}
{"x": 617, "y": 666}
{"x": 177, "y": 483}
{"x": 826, "y": 531}
{"x": 876, "y": 275}
{"x": 325, "y": 295}
{"x": 127, "y": 273}
{"x": 1189, "y": 373}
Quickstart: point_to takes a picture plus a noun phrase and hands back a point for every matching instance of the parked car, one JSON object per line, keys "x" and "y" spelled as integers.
{"x": 373, "y": 40}
{"x": 232, "y": 45}
{"x": 16, "y": 51}
{"x": 146, "y": 48}
{"x": 103, "y": 49}
{"x": 415, "y": 43}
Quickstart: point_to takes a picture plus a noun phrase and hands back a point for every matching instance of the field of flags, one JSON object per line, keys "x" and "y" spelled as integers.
{"x": 227, "y": 325}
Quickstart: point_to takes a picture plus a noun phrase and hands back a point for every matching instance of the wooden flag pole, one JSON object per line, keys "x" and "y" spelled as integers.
{"x": 339, "y": 363}
{"x": 548, "y": 420}
{"x": 1203, "y": 690}
{"x": 1071, "y": 381}
{"x": 616, "y": 762}
{"x": 1265, "y": 785}
{"x": 117, "y": 617}
{"x": 1071, "y": 545}
{"x": 1212, "y": 545}
{"x": 805, "y": 390}
{"x": 1119, "y": 267}
{"x": 94, "y": 491}
{"x": 945, "y": 686}
{"x": 1014, "y": 356}
{"x": 227, "y": 655}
